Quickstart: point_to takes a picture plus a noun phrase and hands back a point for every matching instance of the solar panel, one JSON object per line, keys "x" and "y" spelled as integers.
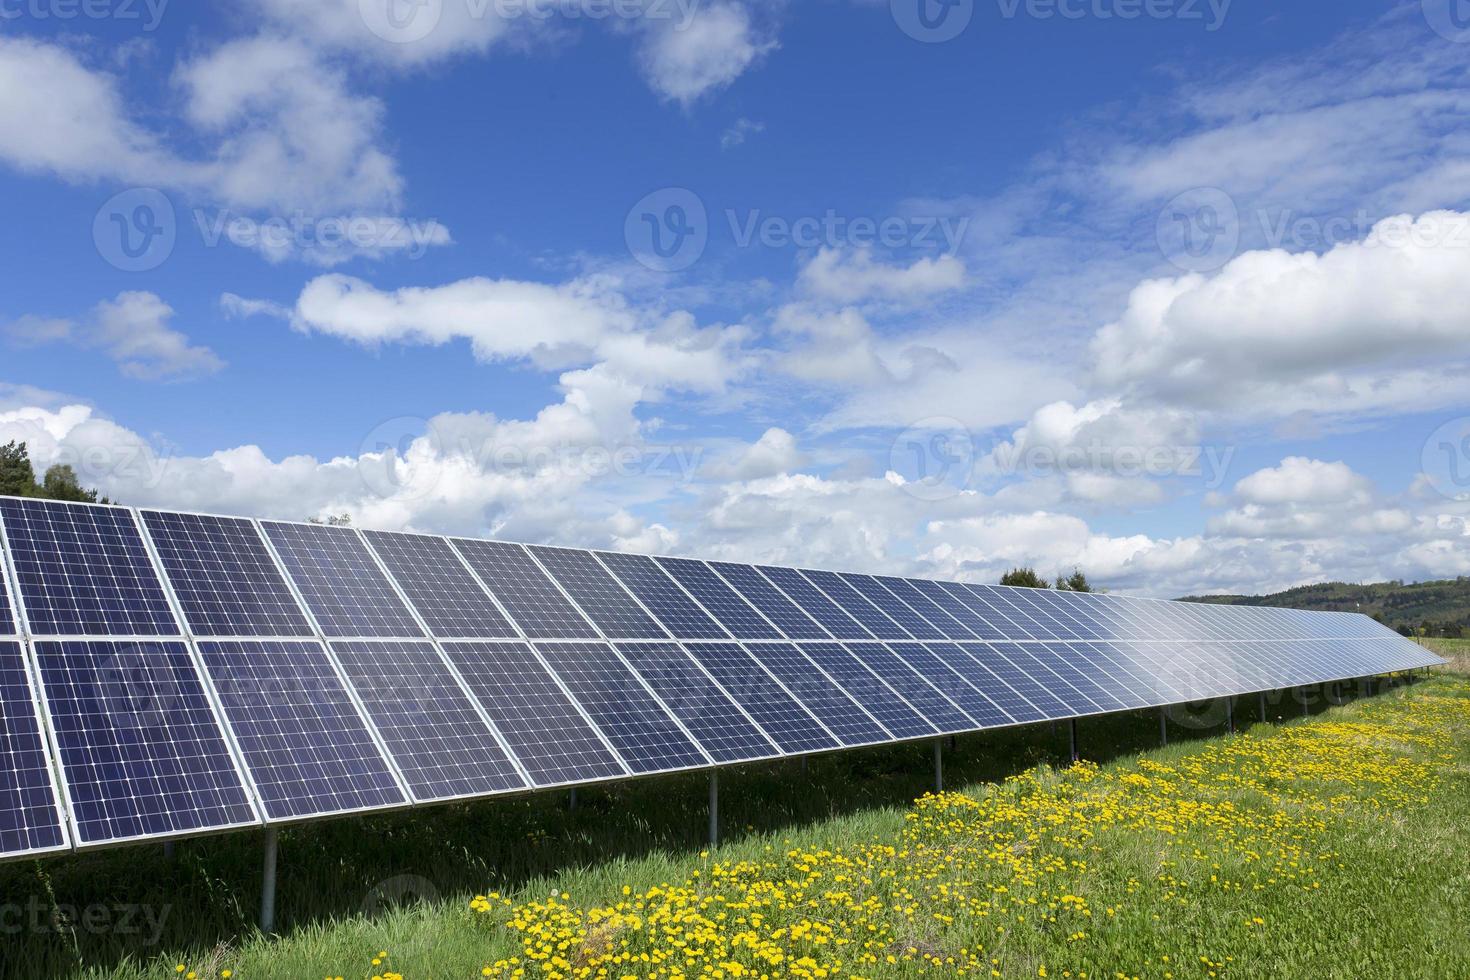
{"x": 1021, "y": 656}
{"x": 30, "y": 814}
{"x": 1028, "y": 684}
{"x": 736, "y": 616}
{"x": 1077, "y": 672}
{"x": 842, "y": 716}
{"x": 641, "y": 730}
{"x": 1005, "y": 697}
{"x": 8, "y": 623}
{"x": 441, "y": 745}
{"x": 342, "y": 585}
{"x": 968, "y": 698}
{"x": 554, "y": 742}
{"x": 225, "y": 579}
{"x": 783, "y": 718}
{"x": 814, "y": 603}
{"x": 525, "y": 592}
{"x": 725, "y": 732}
{"x": 1006, "y": 620}
{"x": 83, "y": 571}
{"x": 938, "y": 710}
{"x": 306, "y": 747}
{"x": 836, "y": 588}
{"x": 661, "y": 595}
{"x": 439, "y": 587}
{"x": 1108, "y": 675}
{"x": 750, "y": 587}
{"x": 868, "y": 690}
{"x": 952, "y": 600}
{"x": 141, "y": 751}
{"x": 935, "y": 613}
{"x": 598, "y": 594}
{"x": 894, "y": 608}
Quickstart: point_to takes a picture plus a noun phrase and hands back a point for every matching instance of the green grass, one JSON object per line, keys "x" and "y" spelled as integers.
{"x": 1455, "y": 651}
{"x": 1392, "y": 897}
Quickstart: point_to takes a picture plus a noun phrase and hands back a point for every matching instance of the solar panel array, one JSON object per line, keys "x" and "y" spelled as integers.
{"x": 166, "y": 674}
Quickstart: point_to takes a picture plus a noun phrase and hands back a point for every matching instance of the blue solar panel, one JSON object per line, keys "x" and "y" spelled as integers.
{"x": 30, "y": 816}
{"x": 307, "y": 748}
{"x": 225, "y": 579}
{"x": 894, "y": 608}
{"x": 992, "y": 686}
{"x": 1025, "y": 683}
{"x": 781, "y": 611}
{"x": 868, "y": 690}
{"x": 526, "y": 592}
{"x": 711, "y": 717}
{"x": 1021, "y": 655}
{"x": 141, "y": 751}
{"x": 842, "y": 716}
{"x": 1077, "y": 671}
{"x": 644, "y": 734}
{"x": 84, "y": 571}
{"x": 553, "y": 741}
{"x": 737, "y": 615}
{"x": 999, "y": 615}
{"x": 598, "y": 594}
{"x": 937, "y": 614}
{"x": 344, "y": 588}
{"x": 812, "y": 602}
{"x": 786, "y": 721}
{"x": 441, "y": 745}
{"x": 678, "y": 613}
{"x": 8, "y": 623}
{"x": 952, "y": 599}
{"x": 836, "y": 588}
{"x": 952, "y": 685}
{"x": 439, "y": 587}
{"x": 924, "y": 698}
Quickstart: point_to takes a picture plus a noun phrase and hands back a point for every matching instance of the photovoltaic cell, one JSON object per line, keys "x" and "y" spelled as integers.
{"x": 1077, "y": 672}
{"x": 344, "y": 588}
{"x": 1001, "y": 616}
{"x": 9, "y": 625}
{"x": 1033, "y": 684}
{"x": 439, "y": 587}
{"x": 827, "y": 701}
{"x": 814, "y": 603}
{"x": 442, "y": 746}
{"x": 308, "y": 749}
{"x": 544, "y": 729}
{"x": 927, "y": 701}
{"x": 1002, "y": 694}
{"x": 141, "y": 752}
{"x": 675, "y": 611}
{"x": 868, "y": 690}
{"x": 836, "y": 588}
{"x": 530, "y": 597}
{"x": 937, "y": 615}
{"x": 736, "y": 615}
{"x": 952, "y": 685}
{"x": 30, "y": 820}
{"x": 711, "y": 717}
{"x": 83, "y": 570}
{"x": 598, "y": 594}
{"x": 952, "y": 602}
{"x": 643, "y": 733}
{"x": 763, "y": 699}
{"x": 1020, "y": 655}
{"x": 755, "y": 589}
{"x": 892, "y": 606}
{"x": 226, "y": 581}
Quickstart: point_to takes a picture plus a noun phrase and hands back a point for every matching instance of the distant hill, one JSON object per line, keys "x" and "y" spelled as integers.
{"x": 1418, "y": 608}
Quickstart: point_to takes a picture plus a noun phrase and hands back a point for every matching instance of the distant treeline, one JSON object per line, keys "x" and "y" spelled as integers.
{"x": 1440, "y": 608}
{"x": 18, "y": 478}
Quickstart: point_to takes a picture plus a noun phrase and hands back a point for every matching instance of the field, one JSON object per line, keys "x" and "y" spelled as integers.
{"x": 1330, "y": 845}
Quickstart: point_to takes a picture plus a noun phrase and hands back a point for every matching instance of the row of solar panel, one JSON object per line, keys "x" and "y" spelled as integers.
{"x": 143, "y": 753}
{"x": 160, "y": 738}
{"x": 86, "y": 571}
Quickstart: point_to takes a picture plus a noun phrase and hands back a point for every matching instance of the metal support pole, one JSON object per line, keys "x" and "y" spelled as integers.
{"x": 572, "y": 799}
{"x": 1262, "y": 699}
{"x": 1072, "y": 733}
{"x": 954, "y": 743}
{"x": 268, "y": 882}
{"x": 1305, "y": 709}
{"x": 803, "y": 763}
{"x": 1163, "y": 726}
{"x": 938, "y": 765}
{"x": 1230, "y": 715}
{"x": 714, "y": 808}
{"x": 168, "y": 850}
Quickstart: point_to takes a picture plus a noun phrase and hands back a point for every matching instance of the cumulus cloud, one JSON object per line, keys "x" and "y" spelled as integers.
{"x": 849, "y": 276}
{"x": 133, "y": 330}
{"x": 685, "y": 61}
{"x": 775, "y": 452}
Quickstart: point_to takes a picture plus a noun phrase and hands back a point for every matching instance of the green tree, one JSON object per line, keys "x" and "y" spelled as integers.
{"x": 17, "y": 476}
{"x": 1025, "y": 578}
{"x": 61, "y": 483}
{"x": 1076, "y": 582}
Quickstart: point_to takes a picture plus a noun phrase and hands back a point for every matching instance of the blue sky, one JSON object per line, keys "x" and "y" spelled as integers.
{"x": 1169, "y": 291}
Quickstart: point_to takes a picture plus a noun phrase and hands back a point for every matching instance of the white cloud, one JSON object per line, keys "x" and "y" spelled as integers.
{"x": 849, "y": 276}
{"x": 684, "y": 61}
{"x": 775, "y": 452}
{"x": 738, "y": 131}
{"x": 133, "y": 330}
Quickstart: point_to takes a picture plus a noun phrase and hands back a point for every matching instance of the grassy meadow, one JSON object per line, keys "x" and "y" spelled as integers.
{"x": 1330, "y": 844}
